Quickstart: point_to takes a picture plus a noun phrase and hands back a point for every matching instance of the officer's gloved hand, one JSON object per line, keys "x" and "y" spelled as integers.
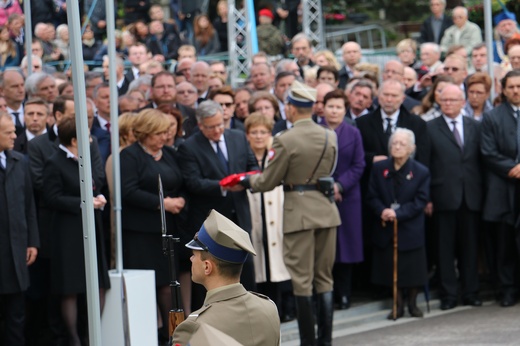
{"x": 245, "y": 182}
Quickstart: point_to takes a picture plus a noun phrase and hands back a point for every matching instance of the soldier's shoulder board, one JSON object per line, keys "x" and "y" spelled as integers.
{"x": 263, "y": 296}
{"x": 194, "y": 315}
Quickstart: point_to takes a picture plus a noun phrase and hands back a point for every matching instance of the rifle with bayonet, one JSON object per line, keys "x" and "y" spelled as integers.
{"x": 176, "y": 314}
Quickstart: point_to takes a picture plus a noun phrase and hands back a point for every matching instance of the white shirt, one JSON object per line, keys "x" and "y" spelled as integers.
{"x": 458, "y": 124}
{"x": 135, "y": 71}
{"x": 393, "y": 122}
{"x": 20, "y": 114}
{"x": 69, "y": 153}
{"x": 30, "y": 135}
{"x": 102, "y": 122}
{"x": 222, "y": 145}
{"x": 3, "y": 159}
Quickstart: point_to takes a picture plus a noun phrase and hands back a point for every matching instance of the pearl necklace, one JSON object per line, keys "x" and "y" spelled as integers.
{"x": 156, "y": 156}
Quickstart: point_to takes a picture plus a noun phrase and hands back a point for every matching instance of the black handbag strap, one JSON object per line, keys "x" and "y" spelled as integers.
{"x": 321, "y": 156}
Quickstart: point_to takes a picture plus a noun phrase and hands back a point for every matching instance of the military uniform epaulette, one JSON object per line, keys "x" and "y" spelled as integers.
{"x": 263, "y": 296}
{"x": 280, "y": 133}
{"x": 199, "y": 312}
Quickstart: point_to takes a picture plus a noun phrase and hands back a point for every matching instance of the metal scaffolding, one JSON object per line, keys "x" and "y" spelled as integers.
{"x": 240, "y": 26}
{"x": 243, "y": 41}
{"x": 313, "y": 23}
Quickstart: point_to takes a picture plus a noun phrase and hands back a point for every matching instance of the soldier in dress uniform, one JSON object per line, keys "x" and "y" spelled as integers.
{"x": 298, "y": 158}
{"x": 220, "y": 248}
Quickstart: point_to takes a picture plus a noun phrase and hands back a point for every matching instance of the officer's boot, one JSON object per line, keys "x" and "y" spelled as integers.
{"x": 325, "y": 317}
{"x": 305, "y": 316}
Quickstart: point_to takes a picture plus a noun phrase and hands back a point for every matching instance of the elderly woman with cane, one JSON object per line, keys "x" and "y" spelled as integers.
{"x": 398, "y": 192}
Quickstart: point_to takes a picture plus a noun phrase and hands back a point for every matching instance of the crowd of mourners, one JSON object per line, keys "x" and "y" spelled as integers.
{"x": 428, "y": 140}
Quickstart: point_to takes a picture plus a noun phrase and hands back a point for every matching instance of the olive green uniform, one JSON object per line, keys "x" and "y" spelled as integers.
{"x": 249, "y": 318}
{"x": 310, "y": 218}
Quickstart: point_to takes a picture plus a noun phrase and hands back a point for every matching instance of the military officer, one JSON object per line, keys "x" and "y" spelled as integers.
{"x": 220, "y": 248}
{"x": 297, "y": 159}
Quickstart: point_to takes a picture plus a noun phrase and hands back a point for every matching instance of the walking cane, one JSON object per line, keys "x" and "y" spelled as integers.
{"x": 394, "y": 306}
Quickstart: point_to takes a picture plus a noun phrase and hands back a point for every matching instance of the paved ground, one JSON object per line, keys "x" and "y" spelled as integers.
{"x": 487, "y": 325}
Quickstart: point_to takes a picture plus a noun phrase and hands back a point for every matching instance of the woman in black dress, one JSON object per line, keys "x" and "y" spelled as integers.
{"x": 63, "y": 196}
{"x": 141, "y": 164}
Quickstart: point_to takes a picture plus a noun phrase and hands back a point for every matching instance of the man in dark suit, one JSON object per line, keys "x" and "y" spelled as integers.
{"x": 36, "y": 112}
{"x": 499, "y": 146}
{"x": 122, "y": 81}
{"x": 457, "y": 195}
{"x": 434, "y": 26}
{"x": 351, "y": 53}
{"x": 12, "y": 87}
{"x": 360, "y": 99}
{"x": 377, "y": 126}
{"x": 101, "y": 125}
{"x": 137, "y": 54}
{"x": 18, "y": 234}
{"x": 208, "y": 156}
{"x": 164, "y": 91}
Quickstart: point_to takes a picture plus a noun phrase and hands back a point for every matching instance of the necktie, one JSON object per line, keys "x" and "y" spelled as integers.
{"x": 388, "y": 131}
{"x": 222, "y": 158}
{"x": 456, "y": 134}
{"x": 17, "y": 121}
{"x": 107, "y": 126}
{"x": 517, "y": 113}
{"x": 2, "y": 164}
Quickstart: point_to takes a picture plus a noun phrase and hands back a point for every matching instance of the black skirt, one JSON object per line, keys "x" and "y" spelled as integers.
{"x": 411, "y": 266}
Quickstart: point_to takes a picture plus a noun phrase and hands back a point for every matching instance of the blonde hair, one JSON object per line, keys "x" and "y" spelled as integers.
{"x": 150, "y": 121}
{"x": 126, "y": 124}
{"x": 330, "y": 58}
{"x": 406, "y": 44}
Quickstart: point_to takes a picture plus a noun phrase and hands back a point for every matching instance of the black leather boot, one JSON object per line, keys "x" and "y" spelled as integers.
{"x": 400, "y": 306}
{"x": 305, "y": 316}
{"x": 412, "y": 303}
{"x": 325, "y": 317}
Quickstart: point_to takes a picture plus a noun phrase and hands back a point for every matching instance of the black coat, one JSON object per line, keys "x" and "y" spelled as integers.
{"x": 202, "y": 172}
{"x": 18, "y": 204}
{"x": 139, "y": 193}
{"x": 456, "y": 176}
{"x": 40, "y": 149}
{"x": 427, "y": 29}
{"x": 499, "y": 151}
{"x": 412, "y": 195}
{"x": 62, "y": 195}
{"x": 20, "y": 143}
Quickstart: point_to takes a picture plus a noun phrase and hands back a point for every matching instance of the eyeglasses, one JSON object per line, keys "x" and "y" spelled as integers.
{"x": 447, "y": 69}
{"x": 227, "y": 104}
{"x": 185, "y": 91}
{"x": 214, "y": 127}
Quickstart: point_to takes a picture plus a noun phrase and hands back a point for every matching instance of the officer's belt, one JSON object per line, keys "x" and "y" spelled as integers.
{"x": 300, "y": 188}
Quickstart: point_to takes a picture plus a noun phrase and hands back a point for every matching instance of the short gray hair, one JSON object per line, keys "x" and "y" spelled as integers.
{"x": 208, "y": 109}
{"x": 434, "y": 46}
{"x": 34, "y": 80}
{"x": 408, "y": 133}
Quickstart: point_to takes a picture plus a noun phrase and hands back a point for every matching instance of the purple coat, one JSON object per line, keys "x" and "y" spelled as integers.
{"x": 351, "y": 163}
